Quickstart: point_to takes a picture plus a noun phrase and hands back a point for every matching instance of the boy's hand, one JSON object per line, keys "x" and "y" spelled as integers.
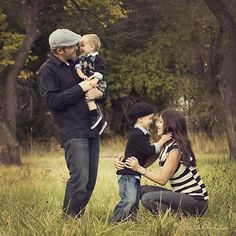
{"x": 85, "y": 77}
{"x": 165, "y": 138}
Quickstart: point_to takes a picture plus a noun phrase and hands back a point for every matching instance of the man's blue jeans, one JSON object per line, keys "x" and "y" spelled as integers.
{"x": 129, "y": 188}
{"x": 81, "y": 156}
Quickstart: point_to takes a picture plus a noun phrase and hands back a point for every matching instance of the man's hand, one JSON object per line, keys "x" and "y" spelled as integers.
{"x": 93, "y": 94}
{"x": 86, "y": 85}
{"x": 94, "y": 82}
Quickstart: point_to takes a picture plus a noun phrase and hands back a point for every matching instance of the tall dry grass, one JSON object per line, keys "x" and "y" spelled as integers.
{"x": 31, "y": 196}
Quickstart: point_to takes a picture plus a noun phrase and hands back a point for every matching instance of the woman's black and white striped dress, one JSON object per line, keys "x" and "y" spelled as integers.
{"x": 185, "y": 179}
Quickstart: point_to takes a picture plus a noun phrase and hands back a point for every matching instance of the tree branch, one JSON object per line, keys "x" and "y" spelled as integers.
{"x": 221, "y": 13}
{"x": 82, "y": 10}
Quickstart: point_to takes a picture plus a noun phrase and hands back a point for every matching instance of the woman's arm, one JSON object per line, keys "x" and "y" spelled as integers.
{"x": 151, "y": 160}
{"x": 165, "y": 173}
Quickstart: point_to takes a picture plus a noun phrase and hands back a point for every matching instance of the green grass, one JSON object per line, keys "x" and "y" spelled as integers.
{"x": 31, "y": 198}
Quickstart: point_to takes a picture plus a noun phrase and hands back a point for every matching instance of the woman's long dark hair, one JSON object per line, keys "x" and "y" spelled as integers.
{"x": 174, "y": 122}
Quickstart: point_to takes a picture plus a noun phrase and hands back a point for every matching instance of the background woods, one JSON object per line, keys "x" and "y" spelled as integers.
{"x": 169, "y": 53}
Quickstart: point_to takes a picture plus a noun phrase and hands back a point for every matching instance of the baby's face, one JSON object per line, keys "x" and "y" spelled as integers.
{"x": 86, "y": 47}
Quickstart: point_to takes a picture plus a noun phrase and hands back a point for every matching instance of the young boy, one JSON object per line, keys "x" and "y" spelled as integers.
{"x": 90, "y": 66}
{"x": 139, "y": 146}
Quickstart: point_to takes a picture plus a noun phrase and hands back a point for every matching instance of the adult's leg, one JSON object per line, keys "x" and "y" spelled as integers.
{"x": 159, "y": 199}
{"x": 150, "y": 188}
{"x": 93, "y": 165}
{"x": 77, "y": 159}
{"x": 154, "y": 205}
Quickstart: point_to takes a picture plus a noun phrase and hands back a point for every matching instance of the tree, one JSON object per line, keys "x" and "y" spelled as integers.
{"x": 10, "y": 43}
{"x": 225, "y": 69}
{"x": 155, "y": 50}
{"x": 10, "y": 152}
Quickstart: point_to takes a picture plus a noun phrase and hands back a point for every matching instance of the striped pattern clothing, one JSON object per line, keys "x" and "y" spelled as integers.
{"x": 185, "y": 179}
{"x": 91, "y": 64}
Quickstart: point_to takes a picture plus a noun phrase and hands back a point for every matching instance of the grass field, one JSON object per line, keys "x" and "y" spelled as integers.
{"x": 31, "y": 197}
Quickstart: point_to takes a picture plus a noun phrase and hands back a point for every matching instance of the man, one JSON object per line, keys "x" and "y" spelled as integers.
{"x": 64, "y": 93}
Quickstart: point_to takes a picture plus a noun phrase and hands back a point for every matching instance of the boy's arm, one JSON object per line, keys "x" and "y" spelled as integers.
{"x": 99, "y": 68}
{"x": 142, "y": 144}
{"x": 164, "y": 138}
{"x": 81, "y": 74}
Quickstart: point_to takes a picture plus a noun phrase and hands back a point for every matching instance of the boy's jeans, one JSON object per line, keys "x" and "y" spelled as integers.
{"x": 129, "y": 189}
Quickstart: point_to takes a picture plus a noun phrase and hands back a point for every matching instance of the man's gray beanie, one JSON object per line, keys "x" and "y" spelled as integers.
{"x": 63, "y": 38}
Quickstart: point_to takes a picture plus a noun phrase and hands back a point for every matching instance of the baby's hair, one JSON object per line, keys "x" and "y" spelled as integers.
{"x": 93, "y": 39}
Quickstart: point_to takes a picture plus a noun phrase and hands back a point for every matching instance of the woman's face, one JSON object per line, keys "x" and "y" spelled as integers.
{"x": 160, "y": 126}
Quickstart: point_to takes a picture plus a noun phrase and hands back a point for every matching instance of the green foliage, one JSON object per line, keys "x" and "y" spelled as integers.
{"x": 162, "y": 52}
{"x": 156, "y": 69}
{"x": 10, "y": 43}
{"x": 98, "y": 7}
{"x": 168, "y": 60}
{"x": 94, "y": 15}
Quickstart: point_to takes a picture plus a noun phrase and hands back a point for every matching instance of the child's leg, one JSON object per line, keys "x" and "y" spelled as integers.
{"x": 134, "y": 209}
{"x": 92, "y": 105}
{"x": 128, "y": 205}
{"x": 95, "y": 114}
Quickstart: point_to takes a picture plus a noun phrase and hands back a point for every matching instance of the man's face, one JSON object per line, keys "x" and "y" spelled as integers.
{"x": 69, "y": 52}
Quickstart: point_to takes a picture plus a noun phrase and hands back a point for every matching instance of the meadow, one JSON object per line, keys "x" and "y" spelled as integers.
{"x": 31, "y": 196}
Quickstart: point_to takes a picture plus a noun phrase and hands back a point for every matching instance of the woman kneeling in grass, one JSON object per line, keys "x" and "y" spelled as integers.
{"x": 178, "y": 166}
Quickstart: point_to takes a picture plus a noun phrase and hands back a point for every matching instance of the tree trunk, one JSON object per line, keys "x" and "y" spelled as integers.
{"x": 9, "y": 147}
{"x": 226, "y": 69}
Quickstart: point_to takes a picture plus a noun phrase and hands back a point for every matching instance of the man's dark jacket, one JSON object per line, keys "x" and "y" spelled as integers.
{"x": 58, "y": 85}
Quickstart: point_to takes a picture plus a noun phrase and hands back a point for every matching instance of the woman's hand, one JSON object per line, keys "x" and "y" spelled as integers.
{"x": 132, "y": 163}
{"x": 119, "y": 164}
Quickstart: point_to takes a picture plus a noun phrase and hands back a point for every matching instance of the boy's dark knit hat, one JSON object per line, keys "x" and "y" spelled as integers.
{"x": 139, "y": 110}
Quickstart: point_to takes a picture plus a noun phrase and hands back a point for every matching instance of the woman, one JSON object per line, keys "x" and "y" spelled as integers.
{"x": 178, "y": 166}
